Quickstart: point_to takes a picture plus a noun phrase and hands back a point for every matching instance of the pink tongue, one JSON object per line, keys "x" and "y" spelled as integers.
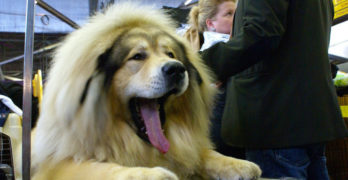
{"x": 150, "y": 114}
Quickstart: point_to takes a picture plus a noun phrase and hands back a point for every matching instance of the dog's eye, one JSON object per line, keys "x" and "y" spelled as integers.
{"x": 170, "y": 54}
{"x": 138, "y": 56}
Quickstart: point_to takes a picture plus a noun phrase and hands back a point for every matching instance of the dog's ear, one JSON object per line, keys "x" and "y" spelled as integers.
{"x": 85, "y": 90}
{"x": 107, "y": 67}
{"x": 192, "y": 70}
{"x": 194, "y": 73}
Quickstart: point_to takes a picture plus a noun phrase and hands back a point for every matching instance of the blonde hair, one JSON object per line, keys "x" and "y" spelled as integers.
{"x": 206, "y": 9}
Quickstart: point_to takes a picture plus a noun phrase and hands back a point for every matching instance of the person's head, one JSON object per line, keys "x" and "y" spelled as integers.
{"x": 213, "y": 15}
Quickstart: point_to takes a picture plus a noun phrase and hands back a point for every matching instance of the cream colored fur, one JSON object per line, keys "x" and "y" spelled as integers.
{"x": 94, "y": 140}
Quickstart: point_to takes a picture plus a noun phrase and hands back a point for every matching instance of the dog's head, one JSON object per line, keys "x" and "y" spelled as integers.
{"x": 144, "y": 67}
{"x": 127, "y": 65}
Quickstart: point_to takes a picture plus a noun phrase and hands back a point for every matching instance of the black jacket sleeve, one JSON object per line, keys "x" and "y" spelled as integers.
{"x": 258, "y": 28}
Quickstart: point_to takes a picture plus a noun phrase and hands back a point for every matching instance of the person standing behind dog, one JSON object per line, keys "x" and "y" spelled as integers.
{"x": 210, "y": 22}
{"x": 281, "y": 103}
{"x": 213, "y": 19}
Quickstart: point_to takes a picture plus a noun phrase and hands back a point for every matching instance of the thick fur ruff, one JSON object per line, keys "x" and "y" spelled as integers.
{"x": 85, "y": 129}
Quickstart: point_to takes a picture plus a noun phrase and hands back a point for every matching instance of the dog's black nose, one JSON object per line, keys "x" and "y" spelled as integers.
{"x": 174, "y": 70}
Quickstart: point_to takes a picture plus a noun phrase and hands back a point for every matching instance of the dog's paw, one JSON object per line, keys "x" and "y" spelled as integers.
{"x": 156, "y": 173}
{"x": 228, "y": 168}
{"x": 236, "y": 169}
{"x": 241, "y": 170}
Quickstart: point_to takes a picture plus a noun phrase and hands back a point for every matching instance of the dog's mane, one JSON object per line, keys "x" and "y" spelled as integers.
{"x": 67, "y": 129}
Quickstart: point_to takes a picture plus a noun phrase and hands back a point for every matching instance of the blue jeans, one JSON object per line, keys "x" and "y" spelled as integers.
{"x": 305, "y": 162}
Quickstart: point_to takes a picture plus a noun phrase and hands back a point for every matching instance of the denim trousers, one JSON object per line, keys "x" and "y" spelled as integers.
{"x": 303, "y": 163}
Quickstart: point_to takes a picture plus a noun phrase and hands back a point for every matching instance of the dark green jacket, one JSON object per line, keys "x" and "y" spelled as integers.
{"x": 279, "y": 87}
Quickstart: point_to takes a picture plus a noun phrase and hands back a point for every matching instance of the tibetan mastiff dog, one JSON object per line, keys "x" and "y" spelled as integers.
{"x": 126, "y": 98}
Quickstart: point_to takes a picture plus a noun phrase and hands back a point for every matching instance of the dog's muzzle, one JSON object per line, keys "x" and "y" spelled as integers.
{"x": 174, "y": 74}
{"x": 147, "y": 110}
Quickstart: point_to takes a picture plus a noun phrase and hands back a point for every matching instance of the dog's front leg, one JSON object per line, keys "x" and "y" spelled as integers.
{"x": 96, "y": 170}
{"x": 218, "y": 166}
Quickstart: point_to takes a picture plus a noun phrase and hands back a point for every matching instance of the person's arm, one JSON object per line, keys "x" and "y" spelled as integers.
{"x": 264, "y": 24}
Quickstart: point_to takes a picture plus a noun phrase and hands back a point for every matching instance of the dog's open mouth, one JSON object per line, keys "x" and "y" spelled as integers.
{"x": 149, "y": 117}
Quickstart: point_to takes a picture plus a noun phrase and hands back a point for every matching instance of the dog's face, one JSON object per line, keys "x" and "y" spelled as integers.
{"x": 145, "y": 66}
{"x": 152, "y": 65}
